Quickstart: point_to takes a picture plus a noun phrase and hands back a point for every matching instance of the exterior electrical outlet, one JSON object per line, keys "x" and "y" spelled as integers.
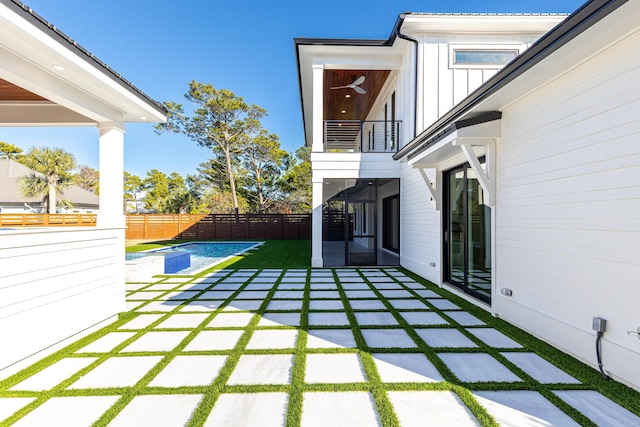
{"x": 599, "y": 324}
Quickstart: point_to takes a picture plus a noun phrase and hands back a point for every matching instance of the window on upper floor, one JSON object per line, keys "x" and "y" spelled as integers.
{"x": 479, "y": 56}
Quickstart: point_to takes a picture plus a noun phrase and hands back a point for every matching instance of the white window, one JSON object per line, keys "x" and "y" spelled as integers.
{"x": 482, "y": 56}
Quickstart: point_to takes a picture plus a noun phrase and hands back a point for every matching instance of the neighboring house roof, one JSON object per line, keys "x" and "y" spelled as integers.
{"x": 55, "y": 33}
{"x": 578, "y": 22}
{"x": 11, "y": 171}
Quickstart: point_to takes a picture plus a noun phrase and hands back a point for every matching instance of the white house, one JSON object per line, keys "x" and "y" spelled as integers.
{"x": 11, "y": 201}
{"x": 494, "y": 155}
{"x": 57, "y": 282}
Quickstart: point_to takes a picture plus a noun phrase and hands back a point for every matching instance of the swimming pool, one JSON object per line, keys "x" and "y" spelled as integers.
{"x": 203, "y": 254}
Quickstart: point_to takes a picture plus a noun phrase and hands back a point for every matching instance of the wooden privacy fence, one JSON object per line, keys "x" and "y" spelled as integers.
{"x": 219, "y": 227}
{"x": 47, "y": 220}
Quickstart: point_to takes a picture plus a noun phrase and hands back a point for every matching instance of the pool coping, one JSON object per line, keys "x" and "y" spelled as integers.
{"x": 196, "y": 272}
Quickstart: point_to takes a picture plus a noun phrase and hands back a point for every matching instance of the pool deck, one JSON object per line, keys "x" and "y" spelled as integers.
{"x": 301, "y": 347}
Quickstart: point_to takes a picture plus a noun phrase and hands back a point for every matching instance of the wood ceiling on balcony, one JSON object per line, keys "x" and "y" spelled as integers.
{"x": 11, "y": 92}
{"x": 357, "y": 106}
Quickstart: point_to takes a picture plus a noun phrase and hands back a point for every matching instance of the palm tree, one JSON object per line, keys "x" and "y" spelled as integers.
{"x": 55, "y": 165}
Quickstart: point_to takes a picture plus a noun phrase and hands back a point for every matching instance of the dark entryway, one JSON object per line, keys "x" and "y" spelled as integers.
{"x": 354, "y": 219}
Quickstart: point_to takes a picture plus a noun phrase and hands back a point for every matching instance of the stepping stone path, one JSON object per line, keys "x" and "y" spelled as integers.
{"x": 342, "y": 347}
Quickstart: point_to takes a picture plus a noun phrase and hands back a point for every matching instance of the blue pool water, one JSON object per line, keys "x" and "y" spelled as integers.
{"x": 206, "y": 254}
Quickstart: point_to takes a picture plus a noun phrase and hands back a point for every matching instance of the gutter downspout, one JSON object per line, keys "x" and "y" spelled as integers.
{"x": 415, "y": 77}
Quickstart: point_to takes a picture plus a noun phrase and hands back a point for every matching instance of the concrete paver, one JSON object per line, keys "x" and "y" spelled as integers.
{"x": 345, "y": 409}
{"x": 387, "y": 338}
{"x": 431, "y": 408}
{"x": 519, "y": 407}
{"x": 334, "y": 369}
{"x": 54, "y": 374}
{"x": 477, "y": 367}
{"x": 249, "y": 410}
{"x": 262, "y": 369}
{"x": 117, "y": 372}
{"x": 158, "y": 410}
{"x": 185, "y": 371}
{"x": 405, "y": 368}
{"x": 214, "y": 340}
{"x": 598, "y": 408}
{"x": 263, "y": 363}
{"x": 64, "y": 412}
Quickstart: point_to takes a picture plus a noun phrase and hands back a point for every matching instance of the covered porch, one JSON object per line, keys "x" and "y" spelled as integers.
{"x": 72, "y": 277}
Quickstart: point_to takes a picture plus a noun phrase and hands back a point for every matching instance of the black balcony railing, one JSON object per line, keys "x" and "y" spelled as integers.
{"x": 361, "y": 136}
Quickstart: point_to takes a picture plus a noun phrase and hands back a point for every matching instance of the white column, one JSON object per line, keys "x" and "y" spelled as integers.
{"x": 318, "y": 108}
{"x": 111, "y": 175}
{"x": 316, "y": 224}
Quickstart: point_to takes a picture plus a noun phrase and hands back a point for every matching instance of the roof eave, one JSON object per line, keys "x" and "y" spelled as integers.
{"x": 579, "y": 21}
{"x": 303, "y": 41}
{"x": 31, "y": 16}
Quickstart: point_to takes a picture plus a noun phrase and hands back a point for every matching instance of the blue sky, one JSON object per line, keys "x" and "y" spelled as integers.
{"x": 243, "y": 45}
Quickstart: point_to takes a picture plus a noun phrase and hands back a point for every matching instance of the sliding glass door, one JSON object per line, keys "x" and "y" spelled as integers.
{"x": 467, "y": 233}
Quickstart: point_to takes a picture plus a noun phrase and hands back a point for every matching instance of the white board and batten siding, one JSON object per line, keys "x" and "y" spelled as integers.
{"x": 54, "y": 283}
{"x": 568, "y": 210}
{"x": 443, "y": 86}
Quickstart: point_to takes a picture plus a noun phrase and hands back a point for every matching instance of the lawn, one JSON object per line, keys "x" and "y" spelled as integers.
{"x": 273, "y": 254}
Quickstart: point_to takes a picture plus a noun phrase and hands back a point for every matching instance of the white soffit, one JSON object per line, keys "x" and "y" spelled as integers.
{"x": 448, "y": 146}
{"x": 457, "y": 142}
{"x": 342, "y": 57}
{"x": 612, "y": 29}
{"x": 28, "y": 56}
{"x": 479, "y": 23}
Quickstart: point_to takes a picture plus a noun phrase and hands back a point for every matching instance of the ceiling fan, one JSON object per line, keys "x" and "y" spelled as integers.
{"x": 355, "y": 85}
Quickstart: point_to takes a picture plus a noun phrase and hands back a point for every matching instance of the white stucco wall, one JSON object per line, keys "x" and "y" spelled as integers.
{"x": 568, "y": 203}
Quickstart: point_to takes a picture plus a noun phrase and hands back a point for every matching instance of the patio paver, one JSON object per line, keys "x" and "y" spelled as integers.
{"x": 405, "y": 368}
{"x": 387, "y": 338}
{"x": 543, "y": 371}
{"x": 519, "y": 407}
{"x": 262, "y": 369}
{"x": 63, "y": 412}
{"x": 273, "y": 339}
{"x": 189, "y": 371}
{"x": 157, "y": 410}
{"x": 214, "y": 340}
{"x": 157, "y": 341}
{"x": 334, "y": 369}
{"x": 249, "y": 410}
{"x": 117, "y": 372}
{"x": 230, "y": 319}
{"x": 345, "y": 409}
{"x": 280, "y": 319}
{"x": 54, "y": 374}
{"x": 477, "y": 367}
{"x": 598, "y": 408}
{"x": 328, "y": 319}
{"x": 316, "y": 347}
{"x": 431, "y": 408}
{"x": 182, "y": 320}
{"x": 330, "y": 338}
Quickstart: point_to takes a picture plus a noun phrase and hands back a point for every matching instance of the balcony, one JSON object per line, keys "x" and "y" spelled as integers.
{"x": 361, "y": 136}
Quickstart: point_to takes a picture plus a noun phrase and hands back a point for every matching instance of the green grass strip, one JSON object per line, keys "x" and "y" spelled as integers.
{"x": 387, "y": 415}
